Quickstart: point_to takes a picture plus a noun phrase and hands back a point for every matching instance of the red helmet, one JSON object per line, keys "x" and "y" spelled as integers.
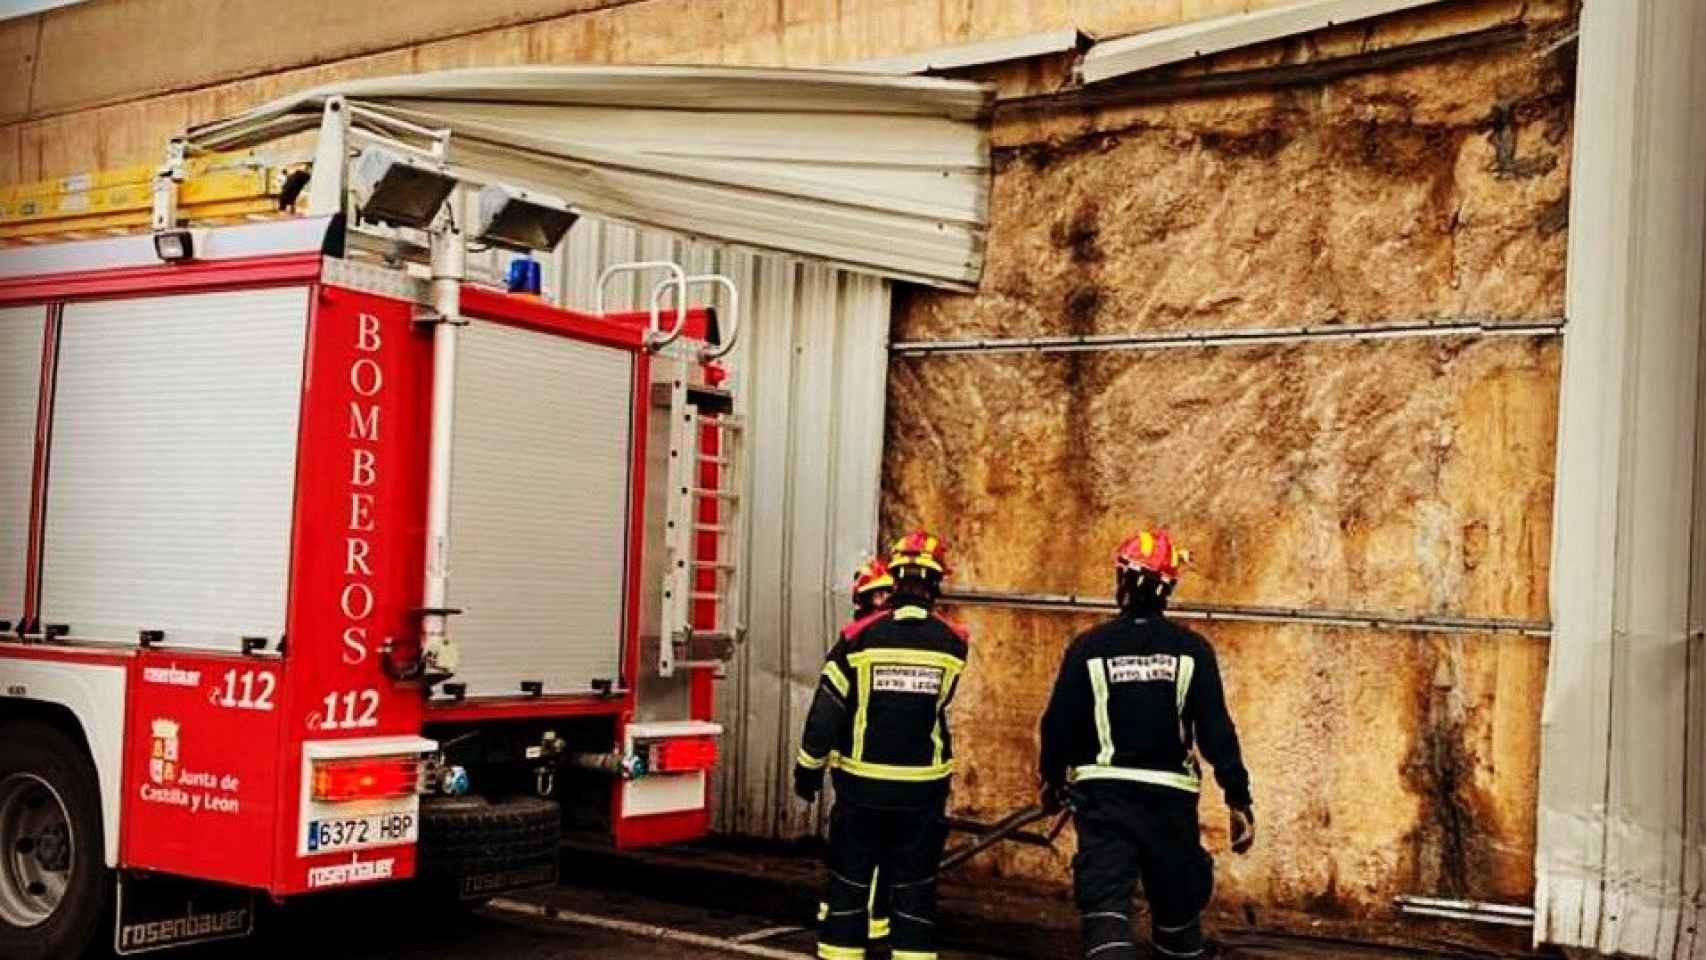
{"x": 1153, "y": 553}
{"x": 873, "y": 574}
{"x": 920, "y": 548}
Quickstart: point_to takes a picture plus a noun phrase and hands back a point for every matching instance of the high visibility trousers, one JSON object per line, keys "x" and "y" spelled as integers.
{"x": 879, "y": 905}
{"x": 1127, "y": 832}
{"x": 867, "y": 844}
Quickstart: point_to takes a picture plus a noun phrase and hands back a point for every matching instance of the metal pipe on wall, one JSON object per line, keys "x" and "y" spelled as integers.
{"x": 1229, "y": 338}
{"x": 1473, "y": 911}
{"x": 1370, "y": 620}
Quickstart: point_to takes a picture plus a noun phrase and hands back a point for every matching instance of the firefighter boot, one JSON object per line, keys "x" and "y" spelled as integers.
{"x": 845, "y": 916}
{"x": 1107, "y": 933}
{"x": 841, "y": 936}
{"x": 917, "y": 840}
{"x": 1179, "y": 938}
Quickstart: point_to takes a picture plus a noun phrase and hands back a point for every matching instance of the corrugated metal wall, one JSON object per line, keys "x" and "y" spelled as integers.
{"x": 810, "y": 372}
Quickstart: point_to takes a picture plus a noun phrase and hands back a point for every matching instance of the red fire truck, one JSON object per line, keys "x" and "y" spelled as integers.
{"x": 322, "y": 567}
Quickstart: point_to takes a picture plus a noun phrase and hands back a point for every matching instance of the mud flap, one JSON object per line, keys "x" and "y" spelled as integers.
{"x": 160, "y": 912}
{"x": 480, "y": 886}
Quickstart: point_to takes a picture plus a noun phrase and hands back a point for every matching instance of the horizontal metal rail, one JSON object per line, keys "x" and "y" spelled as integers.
{"x": 1369, "y": 620}
{"x": 1473, "y": 911}
{"x": 1177, "y": 340}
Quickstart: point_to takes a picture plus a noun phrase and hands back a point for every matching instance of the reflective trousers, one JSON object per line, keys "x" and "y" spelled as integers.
{"x": 1127, "y": 832}
{"x": 901, "y": 848}
{"x": 880, "y": 897}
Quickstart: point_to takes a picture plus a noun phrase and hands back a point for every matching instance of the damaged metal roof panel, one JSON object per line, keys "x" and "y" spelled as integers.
{"x": 1145, "y": 51}
{"x": 882, "y": 174}
{"x": 1004, "y": 50}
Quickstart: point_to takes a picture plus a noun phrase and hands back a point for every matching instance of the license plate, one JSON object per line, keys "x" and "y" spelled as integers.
{"x": 360, "y": 833}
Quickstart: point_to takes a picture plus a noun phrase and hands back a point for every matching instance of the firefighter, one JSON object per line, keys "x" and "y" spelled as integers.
{"x": 872, "y": 588}
{"x": 1137, "y": 697}
{"x": 880, "y": 719}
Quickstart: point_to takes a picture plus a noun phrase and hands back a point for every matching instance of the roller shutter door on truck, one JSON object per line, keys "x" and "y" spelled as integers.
{"x": 21, "y": 334}
{"x": 173, "y": 466}
{"x": 539, "y": 510}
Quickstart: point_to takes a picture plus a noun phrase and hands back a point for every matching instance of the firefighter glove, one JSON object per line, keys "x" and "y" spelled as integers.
{"x": 808, "y": 783}
{"x": 1242, "y": 829}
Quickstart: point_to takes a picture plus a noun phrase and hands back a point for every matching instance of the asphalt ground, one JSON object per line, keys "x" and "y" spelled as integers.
{"x": 557, "y": 924}
{"x": 703, "y": 901}
{"x": 575, "y": 922}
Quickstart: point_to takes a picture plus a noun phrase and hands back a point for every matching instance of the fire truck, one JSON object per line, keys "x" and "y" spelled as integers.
{"x": 324, "y": 567}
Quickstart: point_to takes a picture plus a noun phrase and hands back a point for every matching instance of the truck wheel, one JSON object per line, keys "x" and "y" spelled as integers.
{"x": 471, "y": 847}
{"x": 53, "y": 878}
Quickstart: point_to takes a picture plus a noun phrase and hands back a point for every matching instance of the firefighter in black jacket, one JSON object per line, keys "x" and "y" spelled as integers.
{"x": 880, "y": 720}
{"x": 1136, "y": 698}
{"x": 872, "y": 588}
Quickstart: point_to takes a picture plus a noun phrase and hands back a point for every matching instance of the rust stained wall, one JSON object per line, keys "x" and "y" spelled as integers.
{"x": 1389, "y": 475}
{"x": 1432, "y": 192}
{"x": 1382, "y": 763}
{"x": 1393, "y": 476}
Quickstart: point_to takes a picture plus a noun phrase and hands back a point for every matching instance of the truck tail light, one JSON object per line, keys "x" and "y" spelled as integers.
{"x": 682, "y": 755}
{"x": 366, "y": 778}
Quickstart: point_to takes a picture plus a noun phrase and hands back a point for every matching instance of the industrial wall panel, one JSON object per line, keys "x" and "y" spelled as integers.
{"x": 809, "y": 373}
{"x": 539, "y": 509}
{"x": 21, "y": 331}
{"x": 173, "y": 466}
{"x": 1620, "y": 823}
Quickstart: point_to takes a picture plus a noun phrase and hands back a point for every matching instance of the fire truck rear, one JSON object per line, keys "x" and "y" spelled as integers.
{"x": 322, "y": 567}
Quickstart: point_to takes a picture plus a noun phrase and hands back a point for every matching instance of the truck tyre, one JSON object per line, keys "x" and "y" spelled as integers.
{"x": 54, "y": 885}
{"x": 465, "y": 841}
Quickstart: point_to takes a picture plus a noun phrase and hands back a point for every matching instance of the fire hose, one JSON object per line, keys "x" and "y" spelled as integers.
{"x": 1011, "y": 827}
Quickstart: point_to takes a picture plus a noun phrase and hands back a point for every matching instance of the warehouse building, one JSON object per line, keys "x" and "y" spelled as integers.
{"x": 1391, "y": 309}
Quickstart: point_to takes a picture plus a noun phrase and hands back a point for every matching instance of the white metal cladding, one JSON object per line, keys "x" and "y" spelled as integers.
{"x": 880, "y": 173}
{"x": 21, "y": 330}
{"x": 539, "y": 509}
{"x": 1622, "y": 820}
{"x": 810, "y": 376}
{"x": 173, "y": 466}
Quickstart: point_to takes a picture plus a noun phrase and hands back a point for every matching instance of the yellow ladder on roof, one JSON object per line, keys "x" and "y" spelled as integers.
{"x": 217, "y": 188}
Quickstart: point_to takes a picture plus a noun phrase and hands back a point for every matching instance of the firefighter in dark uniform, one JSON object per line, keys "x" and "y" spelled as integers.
{"x": 872, "y": 588}
{"x": 1136, "y": 699}
{"x": 880, "y": 720}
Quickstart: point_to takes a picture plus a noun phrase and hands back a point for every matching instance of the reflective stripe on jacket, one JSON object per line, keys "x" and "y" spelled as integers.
{"x": 1136, "y": 699}
{"x": 880, "y": 714}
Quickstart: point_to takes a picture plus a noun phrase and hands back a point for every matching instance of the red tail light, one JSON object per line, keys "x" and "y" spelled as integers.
{"x": 366, "y": 778}
{"x": 683, "y": 754}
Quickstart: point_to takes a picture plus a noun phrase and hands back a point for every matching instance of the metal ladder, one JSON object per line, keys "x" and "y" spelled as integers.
{"x": 702, "y": 442}
{"x": 696, "y": 411}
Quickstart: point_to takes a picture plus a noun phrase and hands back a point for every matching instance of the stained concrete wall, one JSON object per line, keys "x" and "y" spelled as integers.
{"x": 1407, "y": 476}
{"x": 104, "y": 84}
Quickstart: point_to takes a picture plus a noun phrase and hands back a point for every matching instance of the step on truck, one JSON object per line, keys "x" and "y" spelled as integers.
{"x": 322, "y": 567}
